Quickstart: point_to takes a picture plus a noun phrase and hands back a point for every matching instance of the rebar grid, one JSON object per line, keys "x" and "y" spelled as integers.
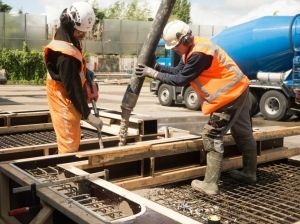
{"x": 36, "y": 138}
{"x": 274, "y": 199}
{"x": 76, "y": 192}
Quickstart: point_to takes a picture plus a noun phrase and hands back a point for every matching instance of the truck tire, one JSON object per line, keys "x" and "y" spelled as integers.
{"x": 274, "y": 106}
{"x": 165, "y": 95}
{"x": 191, "y": 99}
{"x": 254, "y": 104}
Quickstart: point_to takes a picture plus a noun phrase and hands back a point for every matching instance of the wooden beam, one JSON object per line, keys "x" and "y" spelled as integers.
{"x": 25, "y": 113}
{"x": 54, "y": 145}
{"x": 4, "y": 201}
{"x": 109, "y": 114}
{"x": 44, "y": 216}
{"x": 1, "y": 221}
{"x": 126, "y": 149}
{"x": 195, "y": 171}
{"x": 114, "y": 129}
{"x": 28, "y": 127}
{"x": 137, "y": 150}
{"x": 175, "y": 145}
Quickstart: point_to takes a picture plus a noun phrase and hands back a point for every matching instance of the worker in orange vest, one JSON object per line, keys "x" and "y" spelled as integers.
{"x": 66, "y": 77}
{"x": 224, "y": 91}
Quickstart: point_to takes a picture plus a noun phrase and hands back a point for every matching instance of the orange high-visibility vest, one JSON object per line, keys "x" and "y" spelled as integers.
{"x": 222, "y": 82}
{"x": 68, "y": 49}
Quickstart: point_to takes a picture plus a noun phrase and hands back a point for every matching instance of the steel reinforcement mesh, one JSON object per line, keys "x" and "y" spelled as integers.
{"x": 36, "y": 138}
{"x": 275, "y": 198}
{"x": 79, "y": 193}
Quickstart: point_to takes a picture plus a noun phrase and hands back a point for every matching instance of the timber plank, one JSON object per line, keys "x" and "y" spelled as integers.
{"x": 44, "y": 216}
{"x": 124, "y": 149}
{"x": 28, "y": 127}
{"x": 174, "y": 145}
{"x": 4, "y": 201}
{"x": 54, "y": 145}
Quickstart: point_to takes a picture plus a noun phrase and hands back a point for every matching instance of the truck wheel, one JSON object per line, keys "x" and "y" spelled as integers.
{"x": 191, "y": 99}
{"x": 165, "y": 95}
{"x": 274, "y": 105}
{"x": 254, "y": 104}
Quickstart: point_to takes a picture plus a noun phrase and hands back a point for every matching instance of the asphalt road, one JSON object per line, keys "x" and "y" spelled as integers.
{"x": 15, "y": 98}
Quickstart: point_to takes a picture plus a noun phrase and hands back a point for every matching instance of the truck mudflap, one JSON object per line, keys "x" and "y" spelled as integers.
{"x": 154, "y": 85}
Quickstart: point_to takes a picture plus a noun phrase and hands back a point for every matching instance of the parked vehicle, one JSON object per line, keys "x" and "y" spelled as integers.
{"x": 268, "y": 52}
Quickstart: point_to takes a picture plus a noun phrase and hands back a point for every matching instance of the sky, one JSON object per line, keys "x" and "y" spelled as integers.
{"x": 212, "y": 12}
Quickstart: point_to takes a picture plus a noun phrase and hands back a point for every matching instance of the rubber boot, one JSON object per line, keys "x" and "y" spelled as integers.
{"x": 213, "y": 168}
{"x": 249, "y": 154}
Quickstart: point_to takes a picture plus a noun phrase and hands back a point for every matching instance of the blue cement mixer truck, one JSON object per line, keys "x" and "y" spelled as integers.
{"x": 268, "y": 52}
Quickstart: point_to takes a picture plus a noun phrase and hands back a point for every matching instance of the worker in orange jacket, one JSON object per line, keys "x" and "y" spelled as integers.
{"x": 224, "y": 91}
{"x": 66, "y": 77}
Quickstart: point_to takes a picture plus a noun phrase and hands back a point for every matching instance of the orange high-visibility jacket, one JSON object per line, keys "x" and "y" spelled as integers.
{"x": 222, "y": 82}
{"x": 68, "y": 49}
{"x": 65, "y": 117}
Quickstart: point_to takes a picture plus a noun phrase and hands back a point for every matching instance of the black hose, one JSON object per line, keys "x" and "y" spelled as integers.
{"x": 145, "y": 57}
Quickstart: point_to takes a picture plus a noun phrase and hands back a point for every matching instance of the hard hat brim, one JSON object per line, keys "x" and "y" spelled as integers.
{"x": 170, "y": 46}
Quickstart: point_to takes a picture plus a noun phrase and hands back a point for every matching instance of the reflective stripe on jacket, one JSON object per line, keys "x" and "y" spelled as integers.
{"x": 67, "y": 49}
{"x": 222, "y": 82}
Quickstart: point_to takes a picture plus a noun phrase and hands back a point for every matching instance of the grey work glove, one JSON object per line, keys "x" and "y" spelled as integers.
{"x": 95, "y": 121}
{"x": 145, "y": 71}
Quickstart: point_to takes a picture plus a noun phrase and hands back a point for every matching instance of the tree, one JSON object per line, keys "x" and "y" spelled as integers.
{"x": 181, "y": 11}
{"x": 98, "y": 12}
{"x": 99, "y": 15}
{"x": 131, "y": 11}
{"x": 4, "y": 7}
{"x": 116, "y": 11}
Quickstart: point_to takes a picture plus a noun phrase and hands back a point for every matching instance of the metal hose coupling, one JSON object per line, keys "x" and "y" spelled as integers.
{"x": 128, "y": 103}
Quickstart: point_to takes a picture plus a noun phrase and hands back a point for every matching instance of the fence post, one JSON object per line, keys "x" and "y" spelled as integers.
{"x": 25, "y": 29}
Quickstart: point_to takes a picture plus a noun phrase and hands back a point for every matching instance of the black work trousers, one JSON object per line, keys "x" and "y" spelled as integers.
{"x": 234, "y": 117}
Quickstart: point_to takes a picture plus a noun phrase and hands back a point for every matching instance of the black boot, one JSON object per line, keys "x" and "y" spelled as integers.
{"x": 249, "y": 153}
{"x": 213, "y": 169}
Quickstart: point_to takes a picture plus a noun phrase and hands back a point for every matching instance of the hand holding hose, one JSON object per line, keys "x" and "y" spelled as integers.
{"x": 95, "y": 121}
{"x": 145, "y": 71}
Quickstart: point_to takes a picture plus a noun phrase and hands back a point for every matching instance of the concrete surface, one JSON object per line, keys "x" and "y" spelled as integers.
{"x": 23, "y": 97}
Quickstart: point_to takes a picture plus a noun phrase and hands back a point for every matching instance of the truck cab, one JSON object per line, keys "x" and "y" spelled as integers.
{"x": 169, "y": 95}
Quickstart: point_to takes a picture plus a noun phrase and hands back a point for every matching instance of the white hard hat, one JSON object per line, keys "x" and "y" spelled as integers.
{"x": 83, "y": 16}
{"x": 173, "y": 32}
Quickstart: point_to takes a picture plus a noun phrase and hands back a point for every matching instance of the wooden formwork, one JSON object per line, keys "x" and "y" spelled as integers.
{"x": 26, "y": 121}
{"x": 153, "y": 156}
{"x": 154, "y": 162}
{"x": 11, "y": 122}
{"x": 10, "y": 176}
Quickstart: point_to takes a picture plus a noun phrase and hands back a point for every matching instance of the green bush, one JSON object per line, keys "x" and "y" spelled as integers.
{"x": 23, "y": 65}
